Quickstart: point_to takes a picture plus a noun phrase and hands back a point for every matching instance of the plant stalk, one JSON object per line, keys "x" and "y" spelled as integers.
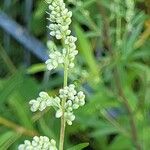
{"x": 63, "y": 121}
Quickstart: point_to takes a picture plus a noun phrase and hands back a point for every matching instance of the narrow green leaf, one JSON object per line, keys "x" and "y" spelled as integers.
{"x": 5, "y": 136}
{"x": 120, "y": 143}
{"x": 36, "y": 68}
{"x": 100, "y": 100}
{"x": 18, "y": 82}
{"x": 86, "y": 4}
{"x": 9, "y": 86}
{"x": 79, "y": 146}
{"x": 7, "y": 144}
{"x": 86, "y": 49}
{"x": 104, "y": 131}
{"x": 46, "y": 129}
{"x": 20, "y": 109}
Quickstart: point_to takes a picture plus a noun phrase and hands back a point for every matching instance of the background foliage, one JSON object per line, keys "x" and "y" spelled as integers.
{"x": 115, "y": 77}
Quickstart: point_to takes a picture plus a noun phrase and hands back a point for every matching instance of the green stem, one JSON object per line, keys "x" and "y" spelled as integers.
{"x": 63, "y": 121}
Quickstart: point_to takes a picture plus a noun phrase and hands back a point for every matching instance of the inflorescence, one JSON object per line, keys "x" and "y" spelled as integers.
{"x": 38, "y": 143}
{"x": 60, "y": 18}
{"x": 73, "y": 98}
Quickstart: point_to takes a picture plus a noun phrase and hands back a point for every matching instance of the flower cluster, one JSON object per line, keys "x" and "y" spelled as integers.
{"x": 73, "y": 99}
{"x": 56, "y": 58}
{"x": 38, "y": 143}
{"x": 60, "y": 18}
{"x": 43, "y": 101}
{"x": 71, "y": 47}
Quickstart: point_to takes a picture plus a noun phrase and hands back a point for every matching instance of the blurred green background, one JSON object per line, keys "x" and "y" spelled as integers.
{"x": 112, "y": 68}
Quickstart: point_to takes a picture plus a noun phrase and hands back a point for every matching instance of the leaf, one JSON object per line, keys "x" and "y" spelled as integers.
{"x": 131, "y": 97}
{"x": 129, "y": 42}
{"x": 46, "y": 129}
{"x": 121, "y": 143}
{"x": 8, "y": 87}
{"x": 86, "y": 50}
{"x": 7, "y": 138}
{"x": 36, "y": 68}
{"x": 100, "y": 100}
{"x": 86, "y": 4}
{"x": 79, "y": 146}
{"x": 18, "y": 82}
{"x": 145, "y": 136}
{"x": 20, "y": 109}
{"x": 38, "y": 21}
{"x": 11, "y": 141}
{"x": 105, "y": 130}
{"x": 141, "y": 68}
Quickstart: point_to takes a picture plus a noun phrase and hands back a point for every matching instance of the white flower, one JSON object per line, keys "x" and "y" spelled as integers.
{"x": 73, "y": 101}
{"x": 69, "y": 116}
{"x": 71, "y": 94}
{"x": 68, "y": 92}
{"x": 81, "y": 98}
{"x": 55, "y": 58}
{"x": 43, "y": 101}
{"x": 38, "y": 143}
{"x": 58, "y": 113}
{"x": 56, "y": 102}
{"x": 70, "y": 44}
{"x": 60, "y": 17}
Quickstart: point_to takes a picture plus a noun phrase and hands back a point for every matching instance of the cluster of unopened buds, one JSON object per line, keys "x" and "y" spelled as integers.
{"x": 38, "y": 143}
{"x": 60, "y": 18}
{"x": 57, "y": 58}
{"x": 43, "y": 101}
{"x": 73, "y": 100}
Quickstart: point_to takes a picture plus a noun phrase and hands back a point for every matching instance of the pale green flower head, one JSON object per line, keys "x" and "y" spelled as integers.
{"x": 38, "y": 143}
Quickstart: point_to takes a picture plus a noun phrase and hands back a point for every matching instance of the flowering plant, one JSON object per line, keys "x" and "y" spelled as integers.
{"x": 68, "y": 99}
